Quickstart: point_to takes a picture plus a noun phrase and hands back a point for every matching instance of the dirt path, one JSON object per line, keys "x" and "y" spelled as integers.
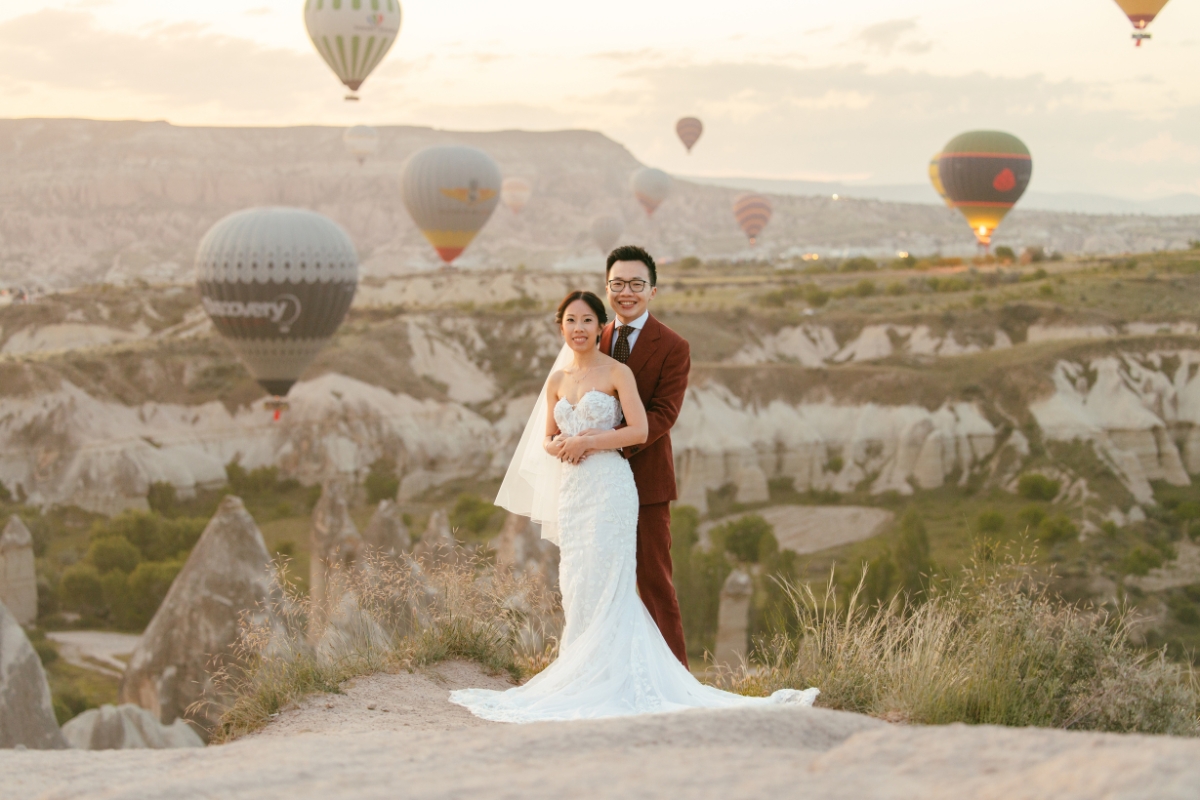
{"x": 810, "y": 529}
{"x": 99, "y": 651}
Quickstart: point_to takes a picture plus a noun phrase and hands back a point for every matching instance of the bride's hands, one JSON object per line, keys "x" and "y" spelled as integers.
{"x": 575, "y": 449}
{"x": 554, "y": 446}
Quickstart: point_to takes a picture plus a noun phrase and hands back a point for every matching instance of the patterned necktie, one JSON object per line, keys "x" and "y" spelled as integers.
{"x": 621, "y": 350}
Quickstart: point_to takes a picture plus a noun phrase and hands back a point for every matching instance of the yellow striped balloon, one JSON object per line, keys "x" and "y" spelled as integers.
{"x": 1141, "y": 13}
{"x": 752, "y": 212}
{"x": 688, "y": 130}
{"x": 352, "y": 36}
{"x": 450, "y": 192}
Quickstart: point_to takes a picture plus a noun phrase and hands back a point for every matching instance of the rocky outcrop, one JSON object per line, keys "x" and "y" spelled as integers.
{"x": 386, "y": 533}
{"x": 1140, "y": 412}
{"x": 733, "y": 619}
{"x": 437, "y": 545}
{"x": 26, "y": 712}
{"x": 335, "y": 544}
{"x": 520, "y": 548}
{"x": 227, "y": 575}
{"x": 18, "y": 578}
{"x": 126, "y": 727}
{"x": 721, "y": 440}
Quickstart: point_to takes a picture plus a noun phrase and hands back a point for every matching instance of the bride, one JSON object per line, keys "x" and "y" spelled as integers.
{"x": 612, "y": 659}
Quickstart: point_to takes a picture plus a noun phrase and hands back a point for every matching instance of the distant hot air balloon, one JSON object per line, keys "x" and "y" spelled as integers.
{"x": 450, "y": 192}
{"x": 361, "y": 141}
{"x": 514, "y": 193}
{"x": 651, "y": 186}
{"x": 276, "y": 283}
{"x": 936, "y": 180}
{"x": 984, "y": 173}
{"x": 689, "y": 130}
{"x": 752, "y": 212}
{"x": 352, "y": 38}
{"x": 606, "y": 230}
{"x": 1141, "y": 13}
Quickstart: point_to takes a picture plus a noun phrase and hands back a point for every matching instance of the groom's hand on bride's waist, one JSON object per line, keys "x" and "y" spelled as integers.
{"x": 575, "y": 449}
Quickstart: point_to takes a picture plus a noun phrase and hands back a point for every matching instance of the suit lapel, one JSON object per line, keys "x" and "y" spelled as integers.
{"x": 606, "y": 339}
{"x": 646, "y": 344}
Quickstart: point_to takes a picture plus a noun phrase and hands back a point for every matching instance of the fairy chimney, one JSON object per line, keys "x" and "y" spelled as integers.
{"x": 18, "y": 580}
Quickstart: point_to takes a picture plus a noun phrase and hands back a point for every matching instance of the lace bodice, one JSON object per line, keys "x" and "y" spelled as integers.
{"x": 594, "y": 410}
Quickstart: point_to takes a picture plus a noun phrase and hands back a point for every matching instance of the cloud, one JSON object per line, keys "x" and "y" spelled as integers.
{"x": 886, "y": 37}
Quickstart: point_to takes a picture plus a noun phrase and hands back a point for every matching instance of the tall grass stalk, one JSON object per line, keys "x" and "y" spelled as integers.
{"x": 382, "y": 616}
{"x": 993, "y": 647}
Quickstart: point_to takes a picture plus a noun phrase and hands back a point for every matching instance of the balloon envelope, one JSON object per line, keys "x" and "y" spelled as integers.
{"x": 1141, "y": 12}
{"x": 936, "y": 179}
{"x": 752, "y": 212}
{"x": 361, "y": 141}
{"x": 352, "y": 36}
{"x": 514, "y": 193}
{"x": 276, "y": 283}
{"x": 984, "y": 173}
{"x": 450, "y": 192}
{"x": 689, "y": 129}
{"x": 651, "y": 187}
{"x": 606, "y": 230}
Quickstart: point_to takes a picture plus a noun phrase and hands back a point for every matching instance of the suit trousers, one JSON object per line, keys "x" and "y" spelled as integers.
{"x": 654, "y": 575}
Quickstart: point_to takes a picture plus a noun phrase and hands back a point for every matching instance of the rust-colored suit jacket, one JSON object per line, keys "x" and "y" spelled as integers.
{"x": 661, "y": 360}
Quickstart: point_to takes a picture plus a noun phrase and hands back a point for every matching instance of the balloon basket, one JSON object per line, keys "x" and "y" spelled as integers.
{"x": 277, "y": 405}
{"x": 1138, "y": 36}
{"x": 351, "y": 98}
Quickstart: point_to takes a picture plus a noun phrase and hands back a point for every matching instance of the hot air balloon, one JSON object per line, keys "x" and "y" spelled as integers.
{"x": 936, "y": 180}
{"x": 606, "y": 230}
{"x": 752, "y": 212}
{"x": 1141, "y": 13}
{"x": 276, "y": 283}
{"x": 689, "y": 129}
{"x": 450, "y": 192}
{"x": 651, "y": 186}
{"x": 351, "y": 37}
{"x": 984, "y": 173}
{"x": 361, "y": 141}
{"x": 514, "y": 193}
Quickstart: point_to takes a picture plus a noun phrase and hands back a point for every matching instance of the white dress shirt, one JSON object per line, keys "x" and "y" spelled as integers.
{"x": 637, "y": 326}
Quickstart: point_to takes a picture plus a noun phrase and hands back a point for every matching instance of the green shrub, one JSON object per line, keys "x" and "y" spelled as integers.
{"x": 147, "y": 587}
{"x": 1058, "y": 528}
{"x": 1140, "y": 560}
{"x": 471, "y": 515}
{"x": 162, "y": 497}
{"x": 1031, "y": 517}
{"x": 858, "y": 264}
{"x": 382, "y": 483}
{"x": 80, "y": 591}
{"x": 113, "y": 553}
{"x": 157, "y": 538}
{"x": 689, "y": 262}
{"x": 816, "y": 297}
{"x": 46, "y": 651}
{"x": 896, "y": 289}
{"x": 978, "y": 300}
{"x": 698, "y": 576}
{"x": 1035, "y": 486}
{"x": 1005, "y": 253}
{"x": 5, "y": 494}
{"x": 256, "y": 482}
{"x": 990, "y": 521}
{"x": 914, "y": 566}
{"x": 114, "y": 588}
{"x": 865, "y": 287}
{"x": 906, "y": 261}
{"x": 750, "y": 539}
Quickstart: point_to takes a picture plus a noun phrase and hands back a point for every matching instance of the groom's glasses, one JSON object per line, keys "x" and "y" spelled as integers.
{"x": 637, "y": 285}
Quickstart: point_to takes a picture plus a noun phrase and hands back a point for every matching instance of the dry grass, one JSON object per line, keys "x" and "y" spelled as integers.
{"x": 992, "y": 648}
{"x": 383, "y": 616}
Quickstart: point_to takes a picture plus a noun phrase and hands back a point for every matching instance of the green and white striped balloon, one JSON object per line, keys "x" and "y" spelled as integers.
{"x": 352, "y": 36}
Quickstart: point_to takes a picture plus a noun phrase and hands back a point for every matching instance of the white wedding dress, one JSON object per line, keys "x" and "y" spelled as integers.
{"x": 612, "y": 659}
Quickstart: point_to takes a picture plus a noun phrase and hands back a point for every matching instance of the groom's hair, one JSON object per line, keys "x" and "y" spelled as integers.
{"x": 631, "y": 252}
{"x": 596, "y": 304}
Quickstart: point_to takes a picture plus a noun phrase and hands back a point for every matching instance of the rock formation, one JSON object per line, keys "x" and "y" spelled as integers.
{"x": 520, "y": 548}
{"x": 227, "y": 575}
{"x": 386, "y": 533}
{"x": 126, "y": 727}
{"x": 733, "y": 619}
{"x": 18, "y": 579}
{"x": 335, "y": 542}
{"x": 26, "y": 712}
{"x": 437, "y": 545}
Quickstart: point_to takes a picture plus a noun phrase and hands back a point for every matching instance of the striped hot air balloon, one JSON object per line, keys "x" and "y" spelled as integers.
{"x": 984, "y": 173}
{"x": 352, "y": 36}
{"x": 515, "y": 193}
{"x": 606, "y": 230}
{"x": 689, "y": 129}
{"x": 1141, "y": 13}
{"x": 936, "y": 180}
{"x": 651, "y": 187}
{"x": 276, "y": 283}
{"x": 752, "y": 212}
{"x": 450, "y": 192}
{"x": 361, "y": 141}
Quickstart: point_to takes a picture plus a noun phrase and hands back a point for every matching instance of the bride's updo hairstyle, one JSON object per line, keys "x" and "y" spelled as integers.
{"x": 596, "y": 304}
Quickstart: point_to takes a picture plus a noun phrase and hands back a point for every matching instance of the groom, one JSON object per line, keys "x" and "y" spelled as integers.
{"x": 660, "y": 360}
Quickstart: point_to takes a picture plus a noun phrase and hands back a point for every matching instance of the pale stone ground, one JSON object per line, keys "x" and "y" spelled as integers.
{"x": 96, "y": 650}
{"x": 424, "y": 747}
{"x": 810, "y": 529}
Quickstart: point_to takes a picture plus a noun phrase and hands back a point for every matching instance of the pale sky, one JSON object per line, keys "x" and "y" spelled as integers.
{"x": 857, "y": 90}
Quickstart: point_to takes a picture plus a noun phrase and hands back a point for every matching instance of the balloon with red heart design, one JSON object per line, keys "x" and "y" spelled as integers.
{"x": 983, "y": 174}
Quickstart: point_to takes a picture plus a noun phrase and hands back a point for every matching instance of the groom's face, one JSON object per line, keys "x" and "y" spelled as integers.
{"x": 629, "y": 304}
